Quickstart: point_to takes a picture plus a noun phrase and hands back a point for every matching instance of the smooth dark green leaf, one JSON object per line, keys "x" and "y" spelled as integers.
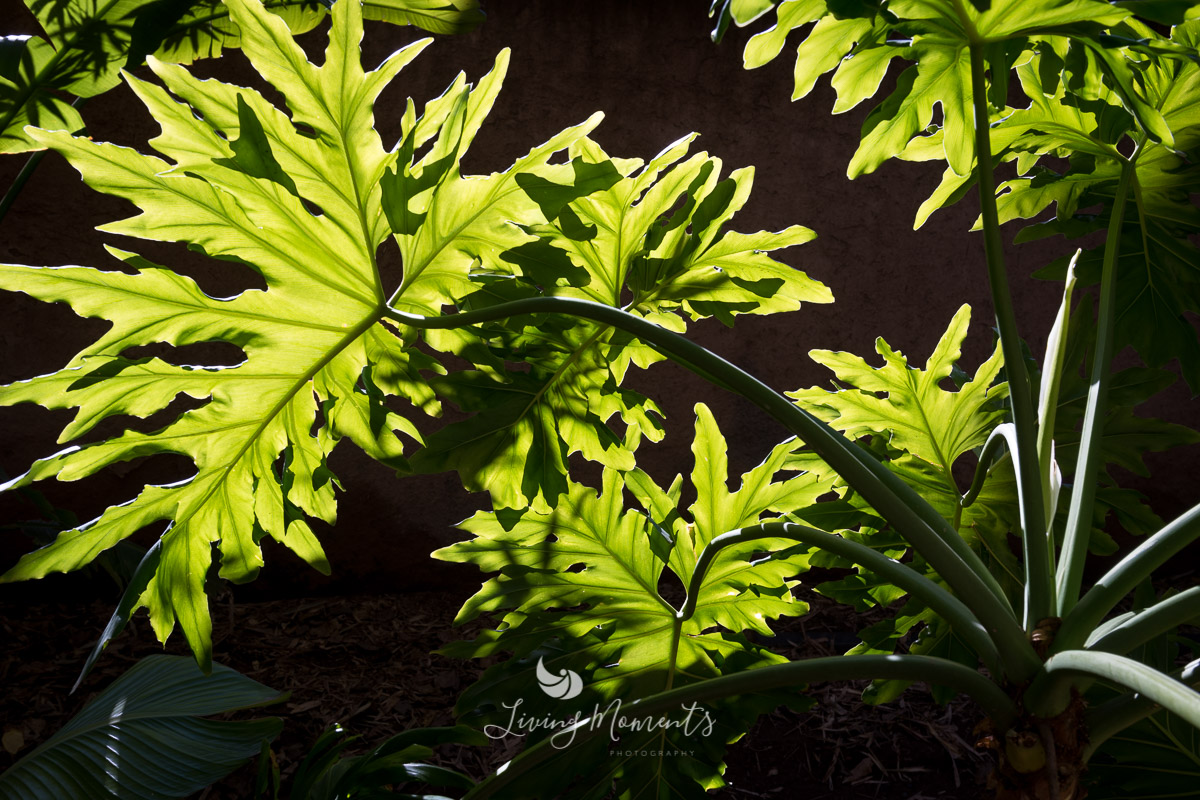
{"x": 143, "y": 736}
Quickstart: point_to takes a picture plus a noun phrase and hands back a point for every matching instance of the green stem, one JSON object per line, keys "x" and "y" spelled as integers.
{"x": 1122, "y": 579}
{"x": 1106, "y": 720}
{"x": 1039, "y": 575}
{"x": 945, "y": 604}
{"x": 1148, "y": 623}
{"x": 992, "y": 450}
{"x": 1039, "y": 599}
{"x": 996, "y": 704}
{"x": 1049, "y": 694}
{"x": 1083, "y": 492}
{"x": 1143, "y": 626}
{"x": 672, "y": 659}
{"x": 917, "y": 521}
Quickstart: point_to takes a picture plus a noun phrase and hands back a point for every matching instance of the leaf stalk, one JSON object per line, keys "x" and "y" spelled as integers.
{"x": 1083, "y": 493}
{"x": 947, "y": 605}
{"x": 996, "y": 704}
{"x": 1049, "y": 693}
{"x": 1124, "y": 578}
{"x": 1039, "y": 577}
{"x": 913, "y": 517}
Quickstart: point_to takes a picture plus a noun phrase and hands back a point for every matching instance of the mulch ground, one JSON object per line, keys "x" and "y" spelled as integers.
{"x": 368, "y": 664}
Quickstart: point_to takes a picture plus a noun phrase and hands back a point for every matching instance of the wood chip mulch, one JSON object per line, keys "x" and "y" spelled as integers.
{"x": 367, "y": 663}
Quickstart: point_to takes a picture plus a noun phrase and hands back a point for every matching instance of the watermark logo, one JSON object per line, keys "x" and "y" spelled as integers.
{"x": 566, "y": 685}
{"x": 690, "y": 720}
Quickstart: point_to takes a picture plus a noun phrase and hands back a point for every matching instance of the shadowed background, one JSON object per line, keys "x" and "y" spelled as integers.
{"x": 654, "y": 72}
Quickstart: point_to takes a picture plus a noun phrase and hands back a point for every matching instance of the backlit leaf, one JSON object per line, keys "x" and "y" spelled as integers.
{"x": 858, "y": 41}
{"x": 585, "y": 584}
{"x": 88, "y": 42}
{"x": 303, "y": 208}
{"x": 650, "y": 238}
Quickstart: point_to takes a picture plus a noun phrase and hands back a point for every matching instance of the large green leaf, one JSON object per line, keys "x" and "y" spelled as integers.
{"x": 649, "y": 238}
{"x": 143, "y": 736}
{"x": 1074, "y": 115}
{"x": 297, "y": 199}
{"x": 1158, "y": 757}
{"x": 908, "y": 404}
{"x": 853, "y": 39}
{"x": 88, "y": 42}
{"x": 184, "y": 31}
{"x": 922, "y": 431}
{"x": 585, "y": 585}
{"x": 1157, "y": 274}
{"x": 932, "y": 428}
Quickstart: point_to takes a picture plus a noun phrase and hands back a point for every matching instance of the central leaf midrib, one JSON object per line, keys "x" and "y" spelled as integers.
{"x": 650, "y": 591}
{"x": 493, "y": 198}
{"x": 223, "y": 472}
{"x": 927, "y": 425}
{"x": 164, "y": 182}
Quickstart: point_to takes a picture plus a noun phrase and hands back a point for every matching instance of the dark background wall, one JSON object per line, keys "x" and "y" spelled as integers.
{"x": 652, "y": 69}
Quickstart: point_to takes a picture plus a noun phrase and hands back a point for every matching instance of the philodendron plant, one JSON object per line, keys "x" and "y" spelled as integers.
{"x": 88, "y": 42}
{"x": 44, "y": 81}
{"x": 555, "y": 277}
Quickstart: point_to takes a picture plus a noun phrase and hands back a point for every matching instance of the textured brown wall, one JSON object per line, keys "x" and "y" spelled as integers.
{"x": 651, "y": 68}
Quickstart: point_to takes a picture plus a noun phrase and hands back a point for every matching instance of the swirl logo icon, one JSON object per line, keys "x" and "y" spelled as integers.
{"x": 563, "y": 686}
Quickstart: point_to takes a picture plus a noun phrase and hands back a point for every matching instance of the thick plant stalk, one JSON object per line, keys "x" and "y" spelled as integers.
{"x": 1083, "y": 493}
{"x": 1039, "y": 577}
{"x": 992, "y": 451}
{"x": 1109, "y": 719}
{"x": 1162, "y": 617}
{"x": 1147, "y": 624}
{"x": 1049, "y": 694}
{"x": 945, "y": 604}
{"x": 897, "y": 502}
{"x": 991, "y": 697}
{"x": 1124, "y": 578}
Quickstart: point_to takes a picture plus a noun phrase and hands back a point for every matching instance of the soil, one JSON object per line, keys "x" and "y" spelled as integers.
{"x": 367, "y": 663}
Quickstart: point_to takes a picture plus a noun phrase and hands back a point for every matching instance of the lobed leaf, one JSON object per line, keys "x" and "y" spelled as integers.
{"x": 1075, "y": 115}
{"x": 296, "y": 197}
{"x": 650, "y": 238}
{"x": 857, "y": 41}
{"x": 88, "y": 43}
{"x": 585, "y": 585}
{"x": 922, "y": 431}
